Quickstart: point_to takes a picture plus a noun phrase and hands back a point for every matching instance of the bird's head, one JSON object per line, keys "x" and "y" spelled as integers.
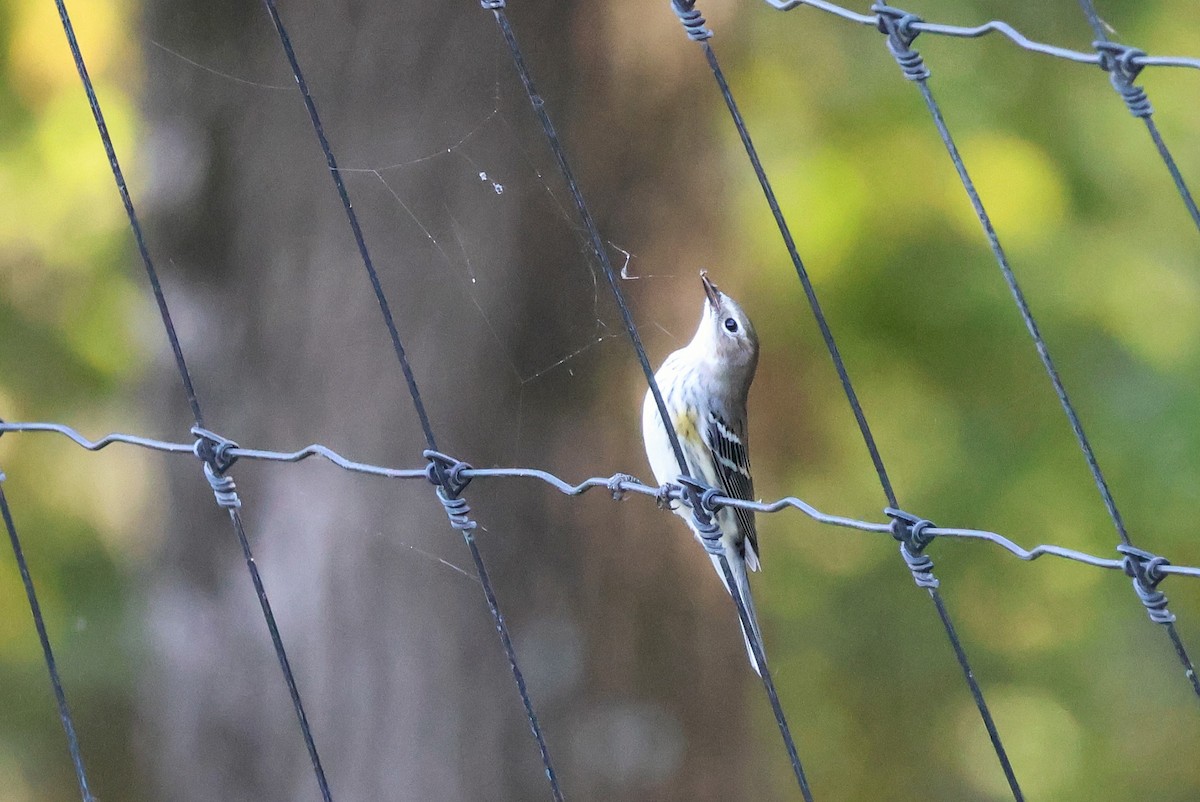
{"x": 726, "y": 334}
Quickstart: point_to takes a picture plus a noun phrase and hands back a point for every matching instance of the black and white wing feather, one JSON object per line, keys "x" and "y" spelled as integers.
{"x": 727, "y": 442}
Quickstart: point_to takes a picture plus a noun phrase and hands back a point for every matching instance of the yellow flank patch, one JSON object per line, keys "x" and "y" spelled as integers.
{"x": 685, "y": 426}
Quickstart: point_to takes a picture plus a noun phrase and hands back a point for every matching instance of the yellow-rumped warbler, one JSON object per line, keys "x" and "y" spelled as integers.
{"x": 705, "y": 386}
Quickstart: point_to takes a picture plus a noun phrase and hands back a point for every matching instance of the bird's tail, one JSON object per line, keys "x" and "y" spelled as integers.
{"x": 737, "y": 567}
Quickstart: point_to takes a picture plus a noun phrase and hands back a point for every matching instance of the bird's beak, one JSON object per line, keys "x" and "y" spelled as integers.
{"x": 710, "y": 289}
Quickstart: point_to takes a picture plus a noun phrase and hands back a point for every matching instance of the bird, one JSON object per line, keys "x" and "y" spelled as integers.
{"x": 705, "y": 386}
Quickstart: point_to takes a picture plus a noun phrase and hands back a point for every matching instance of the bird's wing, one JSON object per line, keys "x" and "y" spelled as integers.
{"x": 727, "y": 442}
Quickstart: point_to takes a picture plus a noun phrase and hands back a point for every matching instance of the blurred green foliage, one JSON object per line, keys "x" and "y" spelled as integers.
{"x": 1086, "y": 692}
{"x": 65, "y": 305}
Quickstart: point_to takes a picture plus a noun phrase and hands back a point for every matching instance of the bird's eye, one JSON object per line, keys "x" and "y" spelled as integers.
{"x": 731, "y": 325}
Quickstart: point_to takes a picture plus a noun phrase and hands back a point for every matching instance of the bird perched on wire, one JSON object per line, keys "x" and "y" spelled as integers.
{"x": 705, "y": 386}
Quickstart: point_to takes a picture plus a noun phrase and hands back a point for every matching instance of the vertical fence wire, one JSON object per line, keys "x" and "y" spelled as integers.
{"x": 214, "y": 468}
{"x": 39, "y": 623}
{"x": 152, "y": 274}
{"x": 898, "y": 27}
{"x": 920, "y": 565}
{"x": 449, "y": 489}
{"x": 701, "y": 515}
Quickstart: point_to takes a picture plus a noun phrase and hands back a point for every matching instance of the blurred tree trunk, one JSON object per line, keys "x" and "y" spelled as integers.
{"x": 396, "y": 657}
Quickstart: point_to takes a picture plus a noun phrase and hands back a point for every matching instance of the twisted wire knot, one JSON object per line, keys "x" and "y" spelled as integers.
{"x": 1119, "y": 58}
{"x": 213, "y": 449}
{"x": 491, "y": 5}
{"x": 1144, "y": 568}
{"x": 1135, "y": 100}
{"x": 900, "y": 28}
{"x": 708, "y": 500}
{"x": 457, "y": 510}
{"x": 693, "y": 21}
{"x": 1119, "y": 62}
{"x": 920, "y": 565}
{"x": 706, "y": 496}
{"x": 615, "y": 482}
{"x": 911, "y": 532}
{"x": 897, "y": 22}
{"x": 709, "y": 533}
{"x": 446, "y": 472}
{"x": 908, "y": 528}
{"x": 223, "y": 488}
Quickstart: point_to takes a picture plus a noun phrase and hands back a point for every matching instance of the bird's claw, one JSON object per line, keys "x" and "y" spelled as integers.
{"x": 663, "y": 498}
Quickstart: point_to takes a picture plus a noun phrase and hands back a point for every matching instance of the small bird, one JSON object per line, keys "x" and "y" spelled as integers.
{"x": 705, "y": 386}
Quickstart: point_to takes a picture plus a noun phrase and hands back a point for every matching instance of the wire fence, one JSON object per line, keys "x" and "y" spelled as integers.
{"x": 1123, "y": 63}
{"x": 618, "y": 485}
{"x": 450, "y": 476}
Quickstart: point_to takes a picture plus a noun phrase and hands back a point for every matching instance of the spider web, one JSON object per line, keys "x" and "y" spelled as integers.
{"x": 485, "y": 150}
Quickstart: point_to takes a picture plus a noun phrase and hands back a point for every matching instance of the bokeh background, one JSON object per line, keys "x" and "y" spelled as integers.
{"x": 629, "y": 642}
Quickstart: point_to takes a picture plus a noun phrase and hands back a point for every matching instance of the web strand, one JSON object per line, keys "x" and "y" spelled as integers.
{"x": 449, "y": 488}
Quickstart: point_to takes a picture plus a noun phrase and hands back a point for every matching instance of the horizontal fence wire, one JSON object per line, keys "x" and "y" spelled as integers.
{"x": 1139, "y": 59}
{"x": 617, "y": 485}
{"x": 208, "y": 450}
{"x": 901, "y": 28}
{"x": 450, "y": 486}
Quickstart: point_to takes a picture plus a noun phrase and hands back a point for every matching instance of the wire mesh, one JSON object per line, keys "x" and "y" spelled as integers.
{"x": 450, "y": 475}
